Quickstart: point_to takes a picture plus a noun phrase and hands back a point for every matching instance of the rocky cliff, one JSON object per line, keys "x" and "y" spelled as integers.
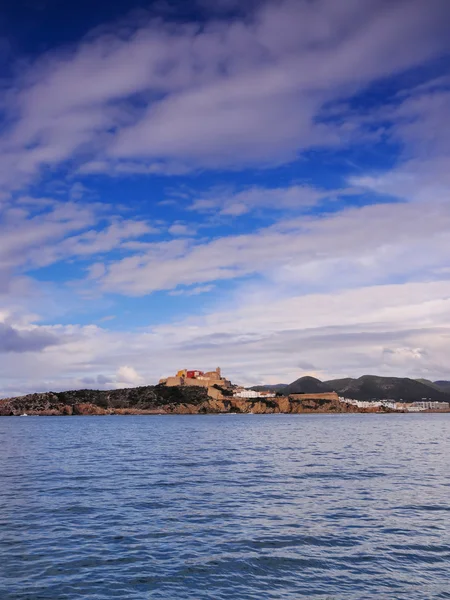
{"x": 160, "y": 399}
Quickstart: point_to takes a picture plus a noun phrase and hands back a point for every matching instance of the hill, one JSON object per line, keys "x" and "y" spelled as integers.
{"x": 306, "y": 385}
{"x": 275, "y": 387}
{"x": 444, "y": 386}
{"x": 78, "y": 402}
{"x": 430, "y": 383}
{"x": 191, "y": 399}
{"x": 367, "y": 387}
{"x": 162, "y": 399}
{"x": 371, "y": 387}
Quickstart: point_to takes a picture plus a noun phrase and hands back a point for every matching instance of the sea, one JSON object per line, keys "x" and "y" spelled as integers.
{"x": 243, "y": 507}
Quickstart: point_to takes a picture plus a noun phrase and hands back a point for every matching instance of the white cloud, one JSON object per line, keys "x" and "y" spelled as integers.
{"x": 228, "y": 94}
{"x": 232, "y": 203}
{"x": 182, "y": 229}
{"x": 392, "y": 330}
{"x": 357, "y": 246}
{"x": 43, "y": 232}
{"x": 193, "y": 291}
{"x": 415, "y": 120}
{"x": 127, "y": 376}
{"x": 360, "y": 290}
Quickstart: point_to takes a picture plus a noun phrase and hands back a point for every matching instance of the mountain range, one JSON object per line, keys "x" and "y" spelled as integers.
{"x": 368, "y": 387}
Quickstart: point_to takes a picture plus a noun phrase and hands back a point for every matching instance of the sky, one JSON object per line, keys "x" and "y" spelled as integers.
{"x": 257, "y": 185}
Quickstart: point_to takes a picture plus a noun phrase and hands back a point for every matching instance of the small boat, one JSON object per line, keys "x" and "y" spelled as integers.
{"x": 24, "y": 415}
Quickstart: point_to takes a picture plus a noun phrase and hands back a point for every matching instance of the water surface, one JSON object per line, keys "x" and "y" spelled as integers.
{"x": 233, "y": 506}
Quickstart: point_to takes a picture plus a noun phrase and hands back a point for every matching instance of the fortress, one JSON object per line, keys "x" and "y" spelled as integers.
{"x": 199, "y": 378}
{"x": 220, "y": 388}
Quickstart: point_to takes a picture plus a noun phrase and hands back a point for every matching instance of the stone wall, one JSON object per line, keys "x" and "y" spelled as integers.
{"x": 322, "y": 396}
{"x": 182, "y": 381}
{"x": 215, "y": 393}
{"x": 197, "y": 382}
{"x": 172, "y": 381}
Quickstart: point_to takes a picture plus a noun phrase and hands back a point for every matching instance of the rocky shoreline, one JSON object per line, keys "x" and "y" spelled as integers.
{"x": 161, "y": 400}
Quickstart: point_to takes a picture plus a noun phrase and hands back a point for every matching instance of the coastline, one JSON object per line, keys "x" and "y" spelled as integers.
{"x": 180, "y": 400}
{"x": 218, "y": 414}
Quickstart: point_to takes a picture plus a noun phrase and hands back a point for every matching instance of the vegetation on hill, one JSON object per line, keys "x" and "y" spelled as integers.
{"x": 303, "y": 385}
{"x": 444, "y": 386}
{"x": 164, "y": 400}
{"x": 371, "y": 387}
{"x": 430, "y": 383}
{"x": 75, "y": 401}
{"x": 307, "y": 385}
{"x": 368, "y": 387}
{"x": 276, "y": 387}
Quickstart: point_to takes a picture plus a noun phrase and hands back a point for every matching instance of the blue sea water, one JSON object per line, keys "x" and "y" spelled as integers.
{"x": 219, "y": 507}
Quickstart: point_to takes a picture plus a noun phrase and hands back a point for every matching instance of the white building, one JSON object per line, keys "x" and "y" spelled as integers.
{"x": 391, "y": 404}
{"x": 370, "y": 403}
{"x": 430, "y": 405}
{"x": 243, "y": 393}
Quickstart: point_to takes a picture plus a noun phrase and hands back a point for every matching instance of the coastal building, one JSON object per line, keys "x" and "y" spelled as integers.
{"x": 244, "y": 393}
{"x": 386, "y": 403}
{"x": 430, "y": 405}
{"x": 401, "y": 406}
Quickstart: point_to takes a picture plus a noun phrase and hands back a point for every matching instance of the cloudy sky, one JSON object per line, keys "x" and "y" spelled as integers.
{"x": 260, "y": 185}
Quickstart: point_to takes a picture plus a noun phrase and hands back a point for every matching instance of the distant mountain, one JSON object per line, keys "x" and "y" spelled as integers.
{"x": 340, "y": 384}
{"x": 367, "y": 387}
{"x": 370, "y": 387}
{"x": 444, "y": 386}
{"x": 275, "y": 387}
{"x": 430, "y": 383}
{"x": 306, "y": 385}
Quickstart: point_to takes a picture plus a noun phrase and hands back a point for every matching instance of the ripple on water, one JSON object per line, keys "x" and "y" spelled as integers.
{"x": 342, "y": 507}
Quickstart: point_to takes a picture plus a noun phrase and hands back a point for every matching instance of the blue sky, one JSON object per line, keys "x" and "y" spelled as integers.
{"x": 260, "y": 185}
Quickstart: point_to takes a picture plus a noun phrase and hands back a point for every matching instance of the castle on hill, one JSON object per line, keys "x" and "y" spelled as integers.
{"x": 199, "y": 378}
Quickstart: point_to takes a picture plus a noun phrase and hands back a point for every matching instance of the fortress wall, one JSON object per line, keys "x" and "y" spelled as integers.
{"x": 214, "y": 393}
{"x": 204, "y": 382}
{"x": 320, "y": 396}
{"x": 197, "y": 382}
{"x": 171, "y": 381}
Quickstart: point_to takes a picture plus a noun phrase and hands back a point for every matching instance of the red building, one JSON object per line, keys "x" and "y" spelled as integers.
{"x": 193, "y": 374}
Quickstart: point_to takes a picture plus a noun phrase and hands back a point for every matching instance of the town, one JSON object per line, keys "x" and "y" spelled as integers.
{"x": 417, "y": 406}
